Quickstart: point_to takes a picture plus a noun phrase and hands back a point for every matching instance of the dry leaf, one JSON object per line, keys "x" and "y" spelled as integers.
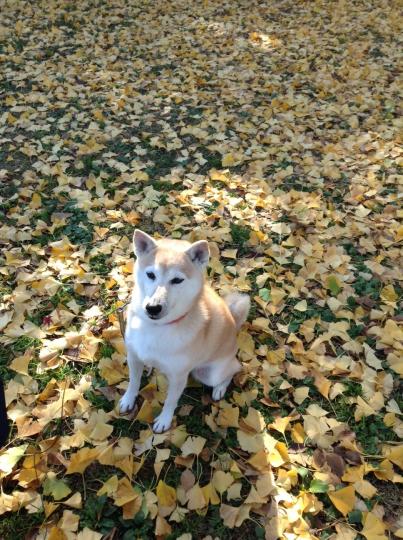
{"x": 343, "y": 499}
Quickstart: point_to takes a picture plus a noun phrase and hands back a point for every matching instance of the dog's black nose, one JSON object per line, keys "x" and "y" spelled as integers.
{"x": 153, "y": 311}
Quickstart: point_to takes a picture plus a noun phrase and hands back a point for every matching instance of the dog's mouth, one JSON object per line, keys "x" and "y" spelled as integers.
{"x": 154, "y": 317}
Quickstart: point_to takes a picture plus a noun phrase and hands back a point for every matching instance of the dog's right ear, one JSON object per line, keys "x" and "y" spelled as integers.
{"x": 199, "y": 253}
{"x": 142, "y": 243}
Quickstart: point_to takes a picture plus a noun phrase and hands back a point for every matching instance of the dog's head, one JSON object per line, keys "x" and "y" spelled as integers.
{"x": 169, "y": 275}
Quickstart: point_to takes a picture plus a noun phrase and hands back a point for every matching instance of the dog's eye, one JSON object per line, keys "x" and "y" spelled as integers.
{"x": 151, "y": 275}
{"x": 176, "y": 280}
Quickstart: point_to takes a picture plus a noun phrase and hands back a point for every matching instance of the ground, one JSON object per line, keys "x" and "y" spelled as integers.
{"x": 271, "y": 129}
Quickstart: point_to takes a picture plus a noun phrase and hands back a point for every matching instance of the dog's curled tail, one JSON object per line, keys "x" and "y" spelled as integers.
{"x": 239, "y": 306}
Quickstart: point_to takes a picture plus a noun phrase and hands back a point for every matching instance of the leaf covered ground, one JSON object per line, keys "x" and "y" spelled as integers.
{"x": 270, "y": 129}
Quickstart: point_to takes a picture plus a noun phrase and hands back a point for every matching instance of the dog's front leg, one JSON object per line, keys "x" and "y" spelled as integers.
{"x": 126, "y": 404}
{"x": 176, "y": 385}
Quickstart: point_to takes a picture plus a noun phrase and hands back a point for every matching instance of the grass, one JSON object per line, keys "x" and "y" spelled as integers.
{"x": 98, "y": 400}
{"x": 19, "y": 524}
{"x": 371, "y": 433}
{"x": 8, "y": 352}
{"x": 99, "y": 264}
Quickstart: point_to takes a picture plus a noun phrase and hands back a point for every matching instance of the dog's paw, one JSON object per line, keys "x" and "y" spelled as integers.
{"x": 127, "y": 402}
{"x": 219, "y": 391}
{"x": 162, "y": 423}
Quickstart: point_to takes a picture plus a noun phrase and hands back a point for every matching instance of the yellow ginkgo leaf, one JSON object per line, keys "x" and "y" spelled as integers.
{"x": 49, "y": 507}
{"x": 388, "y": 294}
{"x": 353, "y": 474}
{"x": 365, "y": 489}
{"x": 69, "y": 521}
{"x": 254, "y": 497}
{"x": 255, "y": 420}
{"x": 193, "y": 446}
{"x": 280, "y": 424}
{"x": 344, "y": 532}
{"x": 385, "y": 471}
{"x": 210, "y": 495}
{"x": 250, "y": 442}
{"x": 109, "y": 487}
{"x": 228, "y": 160}
{"x": 166, "y": 494}
{"x": 81, "y": 459}
{"x": 20, "y": 363}
{"x": 300, "y": 394}
{"x": 195, "y": 498}
{"x": 75, "y": 501}
{"x": 276, "y": 356}
{"x": 298, "y": 434}
{"x": 228, "y": 416}
{"x": 265, "y": 484}
{"x": 88, "y": 534}
{"x": 246, "y": 343}
{"x": 57, "y": 534}
{"x": 234, "y": 516}
{"x": 261, "y": 461}
{"x": 162, "y": 527}
{"x": 36, "y": 201}
{"x": 234, "y": 492}
{"x": 373, "y": 527}
{"x": 10, "y": 457}
{"x": 301, "y": 306}
{"x": 131, "y": 508}
{"x": 395, "y": 362}
{"x": 125, "y": 492}
{"x": 222, "y": 481}
{"x": 395, "y": 454}
{"x": 343, "y": 499}
{"x": 55, "y": 487}
{"x": 146, "y": 413}
{"x": 275, "y": 458}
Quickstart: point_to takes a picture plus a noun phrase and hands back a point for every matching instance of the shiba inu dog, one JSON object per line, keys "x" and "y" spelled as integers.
{"x": 178, "y": 324}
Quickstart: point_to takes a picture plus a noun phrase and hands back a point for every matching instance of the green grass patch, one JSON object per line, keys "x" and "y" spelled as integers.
{"x": 18, "y": 524}
{"x": 100, "y": 264}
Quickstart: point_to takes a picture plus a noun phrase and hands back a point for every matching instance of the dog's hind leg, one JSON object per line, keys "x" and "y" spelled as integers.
{"x": 225, "y": 375}
{"x": 218, "y": 374}
{"x": 220, "y": 389}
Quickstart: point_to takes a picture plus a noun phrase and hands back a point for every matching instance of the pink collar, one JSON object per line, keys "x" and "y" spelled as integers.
{"x": 177, "y": 320}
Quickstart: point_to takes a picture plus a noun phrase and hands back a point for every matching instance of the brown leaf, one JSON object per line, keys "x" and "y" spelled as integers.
{"x": 187, "y": 479}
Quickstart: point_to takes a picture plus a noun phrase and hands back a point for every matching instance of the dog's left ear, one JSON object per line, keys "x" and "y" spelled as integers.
{"x": 199, "y": 252}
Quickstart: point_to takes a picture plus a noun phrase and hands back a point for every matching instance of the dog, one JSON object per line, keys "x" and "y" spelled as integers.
{"x": 178, "y": 324}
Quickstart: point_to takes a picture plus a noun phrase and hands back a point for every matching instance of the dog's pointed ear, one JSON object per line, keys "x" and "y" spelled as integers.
{"x": 199, "y": 253}
{"x": 142, "y": 243}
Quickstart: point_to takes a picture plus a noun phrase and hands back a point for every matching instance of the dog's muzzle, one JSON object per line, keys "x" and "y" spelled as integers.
{"x": 154, "y": 310}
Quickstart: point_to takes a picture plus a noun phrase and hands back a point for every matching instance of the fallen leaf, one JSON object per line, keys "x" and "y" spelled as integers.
{"x": 222, "y": 481}
{"x": 55, "y": 487}
{"x": 343, "y": 499}
{"x": 81, "y": 459}
{"x": 373, "y": 528}
{"x": 166, "y": 494}
{"x": 193, "y": 445}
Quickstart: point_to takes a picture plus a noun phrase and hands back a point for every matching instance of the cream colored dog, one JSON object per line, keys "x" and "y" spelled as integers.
{"x": 178, "y": 324}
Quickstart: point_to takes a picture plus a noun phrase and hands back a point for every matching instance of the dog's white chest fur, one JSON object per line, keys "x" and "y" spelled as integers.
{"x": 157, "y": 346}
